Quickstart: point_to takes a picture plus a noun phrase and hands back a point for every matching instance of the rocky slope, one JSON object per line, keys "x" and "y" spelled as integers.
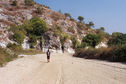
{"x": 10, "y": 15}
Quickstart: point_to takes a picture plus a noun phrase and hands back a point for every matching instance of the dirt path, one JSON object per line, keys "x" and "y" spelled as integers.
{"x": 63, "y": 69}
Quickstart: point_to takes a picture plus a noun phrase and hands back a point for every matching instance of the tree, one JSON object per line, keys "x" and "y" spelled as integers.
{"x": 117, "y": 39}
{"x": 101, "y": 33}
{"x": 91, "y": 40}
{"x": 29, "y": 2}
{"x": 39, "y": 26}
{"x": 91, "y": 24}
{"x": 33, "y": 40}
{"x": 80, "y": 18}
{"x": 35, "y": 27}
{"x": 68, "y": 15}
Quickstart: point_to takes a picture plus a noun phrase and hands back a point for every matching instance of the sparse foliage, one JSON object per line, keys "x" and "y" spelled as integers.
{"x": 75, "y": 42}
{"x": 29, "y": 2}
{"x": 68, "y": 15}
{"x": 102, "y": 28}
{"x": 91, "y": 24}
{"x": 81, "y": 18}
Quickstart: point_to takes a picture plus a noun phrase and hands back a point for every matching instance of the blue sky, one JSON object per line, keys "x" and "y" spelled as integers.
{"x": 110, "y": 14}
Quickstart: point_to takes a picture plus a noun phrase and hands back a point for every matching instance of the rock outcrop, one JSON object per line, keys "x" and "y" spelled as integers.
{"x": 10, "y": 15}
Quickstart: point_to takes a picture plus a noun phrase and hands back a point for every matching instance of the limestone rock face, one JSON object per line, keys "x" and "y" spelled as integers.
{"x": 26, "y": 44}
{"x": 4, "y": 40}
{"x": 55, "y": 44}
{"x": 68, "y": 46}
{"x": 51, "y": 40}
{"x": 102, "y": 44}
{"x": 10, "y": 15}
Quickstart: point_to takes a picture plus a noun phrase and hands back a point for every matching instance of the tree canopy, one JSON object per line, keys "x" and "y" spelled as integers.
{"x": 81, "y": 18}
{"x": 91, "y": 40}
{"x": 117, "y": 39}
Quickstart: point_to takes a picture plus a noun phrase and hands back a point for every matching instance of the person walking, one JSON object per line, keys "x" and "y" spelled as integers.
{"x": 62, "y": 48}
{"x": 48, "y": 55}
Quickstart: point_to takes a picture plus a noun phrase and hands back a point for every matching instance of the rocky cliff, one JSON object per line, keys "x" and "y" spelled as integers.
{"x": 10, "y": 15}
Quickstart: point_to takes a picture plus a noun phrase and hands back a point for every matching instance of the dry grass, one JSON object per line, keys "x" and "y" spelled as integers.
{"x": 71, "y": 29}
{"x": 9, "y": 13}
{"x": 18, "y": 50}
{"x": 0, "y": 32}
{"x": 56, "y": 16}
{"x": 30, "y": 52}
{"x": 6, "y": 22}
{"x": 0, "y": 5}
{"x": 5, "y": 56}
{"x": 114, "y": 54}
{"x": 9, "y": 54}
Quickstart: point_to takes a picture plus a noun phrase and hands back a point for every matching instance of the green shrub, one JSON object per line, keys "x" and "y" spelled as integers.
{"x": 91, "y": 40}
{"x": 18, "y": 34}
{"x": 64, "y": 37}
{"x": 101, "y": 33}
{"x": 83, "y": 45}
{"x": 18, "y": 37}
{"x": 29, "y": 2}
{"x": 75, "y": 42}
{"x": 14, "y": 47}
{"x": 117, "y": 39}
{"x": 34, "y": 29}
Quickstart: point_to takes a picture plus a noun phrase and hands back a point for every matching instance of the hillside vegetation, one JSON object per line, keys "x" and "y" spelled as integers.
{"x": 26, "y": 26}
{"x": 116, "y": 51}
{"x": 6, "y": 56}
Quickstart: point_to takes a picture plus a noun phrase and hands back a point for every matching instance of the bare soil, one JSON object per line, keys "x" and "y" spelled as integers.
{"x": 63, "y": 69}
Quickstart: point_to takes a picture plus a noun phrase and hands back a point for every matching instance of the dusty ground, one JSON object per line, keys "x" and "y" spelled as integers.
{"x": 63, "y": 69}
